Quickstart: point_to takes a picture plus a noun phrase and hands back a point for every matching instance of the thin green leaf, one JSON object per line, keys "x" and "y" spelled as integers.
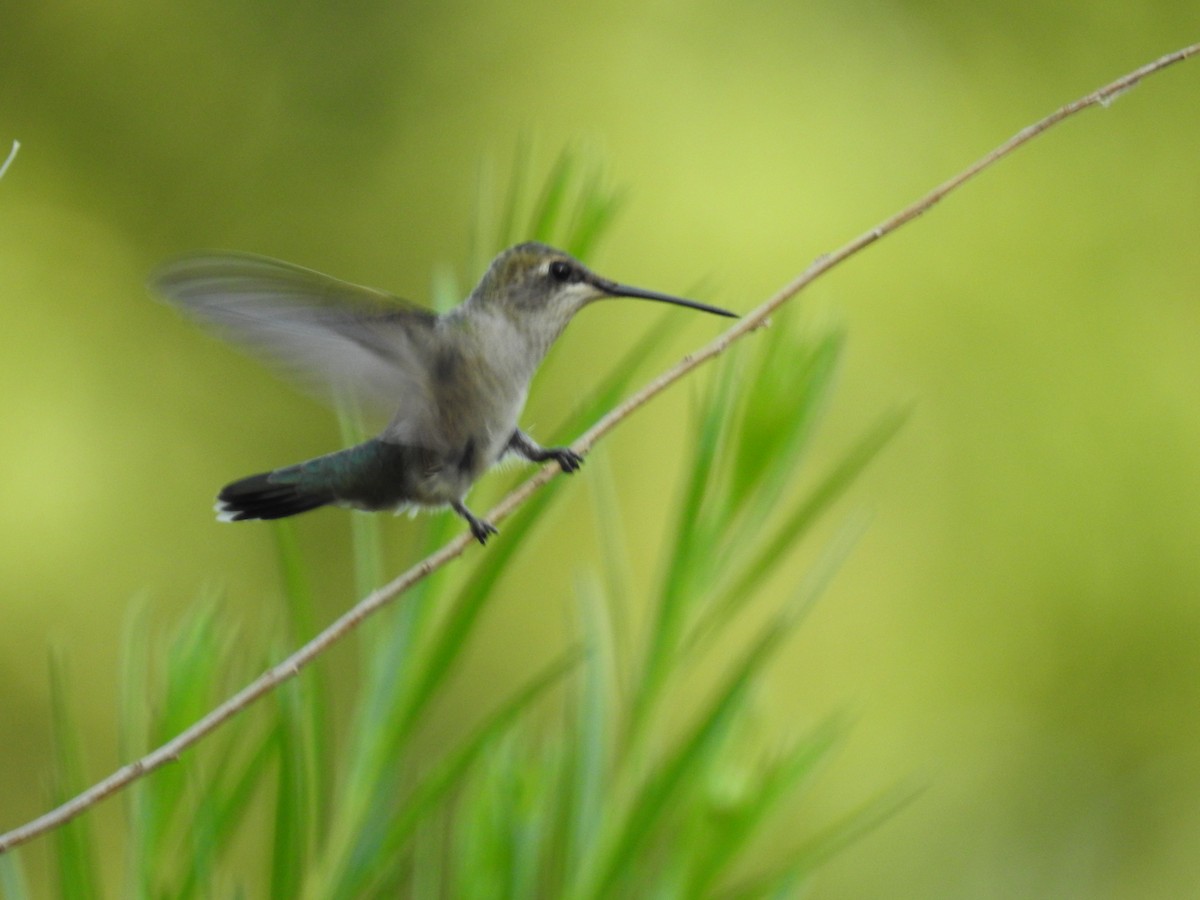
{"x": 530, "y": 832}
{"x": 554, "y": 194}
{"x": 482, "y": 226}
{"x": 507, "y": 232}
{"x": 598, "y": 207}
{"x": 464, "y": 612}
{"x": 366, "y": 532}
{"x": 690, "y": 560}
{"x": 393, "y": 666}
{"x": 13, "y": 884}
{"x": 661, "y": 788}
{"x": 791, "y": 386}
{"x": 133, "y": 715}
{"x": 445, "y": 290}
{"x": 807, "y": 857}
{"x": 408, "y": 667}
{"x": 590, "y": 738}
{"x": 614, "y": 631}
{"x": 428, "y": 867}
{"x": 769, "y": 554}
{"x": 197, "y": 854}
{"x": 307, "y": 707}
{"x": 133, "y": 739}
{"x": 232, "y": 796}
{"x": 74, "y": 842}
{"x": 445, "y": 778}
{"x": 189, "y": 811}
{"x": 295, "y": 806}
{"x": 779, "y": 779}
{"x": 613, "y": 386}
{"x": 196, "y": 663}
{"x": 297, "y": 588}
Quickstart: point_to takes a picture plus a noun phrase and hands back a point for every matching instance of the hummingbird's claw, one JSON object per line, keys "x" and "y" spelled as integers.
{"x": 521, "y": 443}
{"x": 482, "y": 529}
{"x": 568, "y": 460}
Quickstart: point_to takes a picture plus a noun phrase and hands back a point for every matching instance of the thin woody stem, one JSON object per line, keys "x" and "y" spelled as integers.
{"x": 289, "y": 667}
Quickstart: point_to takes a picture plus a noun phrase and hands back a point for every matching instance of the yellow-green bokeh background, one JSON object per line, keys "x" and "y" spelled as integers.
{"x": 1019, "y": 630}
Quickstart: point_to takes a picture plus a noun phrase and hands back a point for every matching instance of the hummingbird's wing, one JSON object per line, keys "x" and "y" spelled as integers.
{"x": 335, "y": 338}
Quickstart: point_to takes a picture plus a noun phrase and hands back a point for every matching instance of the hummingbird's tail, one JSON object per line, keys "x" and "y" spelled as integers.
{"x": 269, "y": 495}
{"x": 373, "y": 475}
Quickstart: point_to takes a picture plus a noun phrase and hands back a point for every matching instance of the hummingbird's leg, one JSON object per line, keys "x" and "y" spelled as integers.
{"x": 521, "y": 443}
{"x": 481, "y": 528}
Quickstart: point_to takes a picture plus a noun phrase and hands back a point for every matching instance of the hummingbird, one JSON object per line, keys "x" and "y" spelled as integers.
{"x": 453, "y": 383}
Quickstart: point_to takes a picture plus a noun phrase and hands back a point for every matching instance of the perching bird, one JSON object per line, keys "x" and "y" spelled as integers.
{"x": 457, "y": 381}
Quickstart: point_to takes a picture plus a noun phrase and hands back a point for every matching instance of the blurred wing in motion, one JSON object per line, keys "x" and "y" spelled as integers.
{"x": 334, "y": 338}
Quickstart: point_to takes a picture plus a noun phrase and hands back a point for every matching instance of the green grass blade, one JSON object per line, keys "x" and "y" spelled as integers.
{"x": 608, "y": 393}
{"x": 197, "y": 661}
{"x": 410, "y": 663}
{"x": 74, "y": 842}
{"x": 133, "y": 737}
{"x": 393, "y": 666}
{"x": 179, "y": 833}
{"x": 13, "y": 884}
{"x": 133, "y": 740}
{"x": 483, "y": 225}
{"x": 792, "y": 383}
{"x": 796, "y": 764}
{"x": 366, "y": 533}
{"x": 662, "y": 787}
{"x": 808, "y": 857}
{"x": 304, "y": 707}
{"x": 691, "y": 559}
{"x": 617, "y": 591}
{"x": 769, "y": 554}
{"x": 295, "y": 805}
{"x": 390, "y": 841}
{"x": 445, "y": 291}
{"x": 862, "y": 821}
{"x": 597, "y": 208}
{"x": 226, "y": 805}
{"x": 428, "y": 876}
{"x": 463, "y": 614}
{"x": 539, "y": 845}
{"x": 507, "y": 231}
{"x": 591, "y": 737}
{"x": 554, "y": 197}
{"x": 297, "y": 588}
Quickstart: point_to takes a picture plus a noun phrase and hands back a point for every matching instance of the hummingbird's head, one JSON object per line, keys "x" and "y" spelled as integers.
{"x": 542, "y": 288}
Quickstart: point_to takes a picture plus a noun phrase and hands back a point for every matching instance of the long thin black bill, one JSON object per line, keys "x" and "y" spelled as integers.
{"x": 623, "y": 290}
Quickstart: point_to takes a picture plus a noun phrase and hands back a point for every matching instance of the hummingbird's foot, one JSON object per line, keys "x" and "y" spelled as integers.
{"x": 568, "y": 460}
{"x": 482, "y": 529}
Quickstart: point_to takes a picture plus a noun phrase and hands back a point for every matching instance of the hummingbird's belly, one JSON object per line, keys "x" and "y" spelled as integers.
{"x": 435, "y": 460}
{"x": 400, "y": 476}
{"x": 453, "y": 475}
{"x": 382, "y": 475}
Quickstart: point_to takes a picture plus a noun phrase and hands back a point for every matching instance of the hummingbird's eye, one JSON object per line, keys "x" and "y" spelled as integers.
{"x": 560, "y": 270}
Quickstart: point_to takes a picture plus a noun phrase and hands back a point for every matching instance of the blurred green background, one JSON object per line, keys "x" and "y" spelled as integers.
{"x": 1017, "y": 631}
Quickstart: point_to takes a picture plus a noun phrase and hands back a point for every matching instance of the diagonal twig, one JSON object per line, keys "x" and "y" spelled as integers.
{"x": 289, "y": 667}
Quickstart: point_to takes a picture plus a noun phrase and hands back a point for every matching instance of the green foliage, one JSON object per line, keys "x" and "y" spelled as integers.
{"x": 74, "y": 843}
{"x": 572, "y": 210}
{"x": 584, "y": 782}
